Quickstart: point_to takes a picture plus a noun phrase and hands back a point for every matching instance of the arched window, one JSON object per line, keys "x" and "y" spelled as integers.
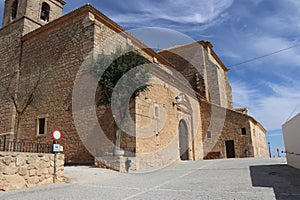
{"x": 45, "y": 12}
{"x": 14, "y": 9}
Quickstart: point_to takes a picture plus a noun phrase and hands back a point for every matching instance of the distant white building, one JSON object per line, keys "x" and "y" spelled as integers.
{"x": 291, "y": 134}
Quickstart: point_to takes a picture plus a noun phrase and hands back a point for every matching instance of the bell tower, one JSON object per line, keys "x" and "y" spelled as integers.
{"x": 20, "y": 17}
{"x": 33, "y": 13}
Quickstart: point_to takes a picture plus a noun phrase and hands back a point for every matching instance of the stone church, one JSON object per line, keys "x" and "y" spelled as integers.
{"x": 186, "y": 114}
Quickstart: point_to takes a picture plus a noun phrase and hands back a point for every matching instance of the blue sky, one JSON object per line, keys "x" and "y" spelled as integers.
{"x": 239, "y": 31}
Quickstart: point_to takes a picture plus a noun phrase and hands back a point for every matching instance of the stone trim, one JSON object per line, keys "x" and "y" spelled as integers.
{"x": 59, "y": 1}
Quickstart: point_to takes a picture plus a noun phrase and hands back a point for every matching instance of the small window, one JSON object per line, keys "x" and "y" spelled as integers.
{"x": 41, "y": 126}
{"x": 208, "y": 134}
{"x": 243, "y": 131}
{"x": 156, "y": 111}
{"x": 14, "y": 9}
{"x": 45, "y": 12}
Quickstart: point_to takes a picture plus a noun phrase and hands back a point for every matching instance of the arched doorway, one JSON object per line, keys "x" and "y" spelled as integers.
{"x": 183, "y": 140}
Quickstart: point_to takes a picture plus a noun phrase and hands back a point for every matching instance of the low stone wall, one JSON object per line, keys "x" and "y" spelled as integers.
{"x": 21, "y": 170}
{"x": 139, "y": 163}
{"x": 118, "y": 163}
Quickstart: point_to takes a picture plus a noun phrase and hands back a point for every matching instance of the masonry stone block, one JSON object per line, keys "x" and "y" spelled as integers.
{"x": 20, "y": 161}
{"x": 23, "y": 171}
{"x": 19, "y": 173}
{"x": 7, "y": 160}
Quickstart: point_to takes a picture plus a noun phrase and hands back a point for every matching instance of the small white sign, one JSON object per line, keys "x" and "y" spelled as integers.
{"x": 56, "y": 147}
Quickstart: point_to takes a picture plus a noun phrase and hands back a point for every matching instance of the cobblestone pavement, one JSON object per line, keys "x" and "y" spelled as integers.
{"x": 210, "y": 179}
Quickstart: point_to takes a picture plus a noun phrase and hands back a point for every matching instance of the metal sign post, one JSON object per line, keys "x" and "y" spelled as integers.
{"x": 56, "y": 135}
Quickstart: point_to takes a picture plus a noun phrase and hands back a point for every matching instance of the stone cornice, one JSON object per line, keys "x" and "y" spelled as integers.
{"x": 60, "y": 1}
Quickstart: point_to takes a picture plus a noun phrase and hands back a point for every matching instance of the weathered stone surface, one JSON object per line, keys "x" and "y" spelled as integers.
{"x": 32, "y": 172}
{"x": 60, "y": 162}
{"x": 46, "y": 158}
{"x": 32, "y": 159}
{"x": 51, "y": 171}
{"x": 2, "y": 167}
{"x": 33, "y": 180}
{"x": 31, "y": 166}
{"x": 20, "y": 161}
{"x": 7, "y": 160}
{"x": 14, "y": 182}
{"x": 41, "y": 165}
{"x": 47, "y": 181}
{"x": 19, "y": 173}
{"x": 23, "y": 171}
{"x": 10, "y": 170}
{"x": 42, "y": 171}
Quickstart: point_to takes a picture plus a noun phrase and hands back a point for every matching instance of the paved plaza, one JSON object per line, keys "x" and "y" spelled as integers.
{"x": 207, "y": 179}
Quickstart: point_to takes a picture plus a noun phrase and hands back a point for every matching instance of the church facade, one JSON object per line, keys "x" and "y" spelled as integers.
{"x": 186, "y": 114}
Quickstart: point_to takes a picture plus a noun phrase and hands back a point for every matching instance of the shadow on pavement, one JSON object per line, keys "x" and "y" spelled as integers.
{"x": 284, "y": 180}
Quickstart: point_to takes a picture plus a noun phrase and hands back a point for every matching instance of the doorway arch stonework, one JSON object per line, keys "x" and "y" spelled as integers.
{"x": 185, "y": 129}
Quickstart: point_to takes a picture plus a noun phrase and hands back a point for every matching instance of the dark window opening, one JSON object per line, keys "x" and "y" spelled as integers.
{"x": 45, "y": 12}
{"x": 14, "y": 9}
{"x": 243, "y": 131}
{"x": 208, "y": 134}
{"x": 42, "y": 125}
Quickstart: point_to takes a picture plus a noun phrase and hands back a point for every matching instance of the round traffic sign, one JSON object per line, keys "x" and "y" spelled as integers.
{"x": 56, "y": 135}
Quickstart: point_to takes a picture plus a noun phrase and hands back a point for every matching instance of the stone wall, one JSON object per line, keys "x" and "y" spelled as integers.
{"x": 158, "y": 120}
{"x": 54, "y": 53}
{"x": 10, "y": 48}
{"x": 218, "y": 84}
{"x": 21, "y": 170}
{"x": 258, "y": 134}
{"x": 224, "y": 125}
{"x": 199, "y": 57}
{"x": 188, "y": 61}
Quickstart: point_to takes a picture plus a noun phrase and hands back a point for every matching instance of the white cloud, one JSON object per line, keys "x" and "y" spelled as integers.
{"x": 271, "y": 110}
{"x": 266, "y": 49}
{"x": 256, "y": 2}
{"x": 275, "y": 135}
{"x": 242, "y": 95}
{"x": 179, "y": 11}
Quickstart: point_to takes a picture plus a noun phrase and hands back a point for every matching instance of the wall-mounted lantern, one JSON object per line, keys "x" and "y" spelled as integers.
{"x": 177, "y": 101}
